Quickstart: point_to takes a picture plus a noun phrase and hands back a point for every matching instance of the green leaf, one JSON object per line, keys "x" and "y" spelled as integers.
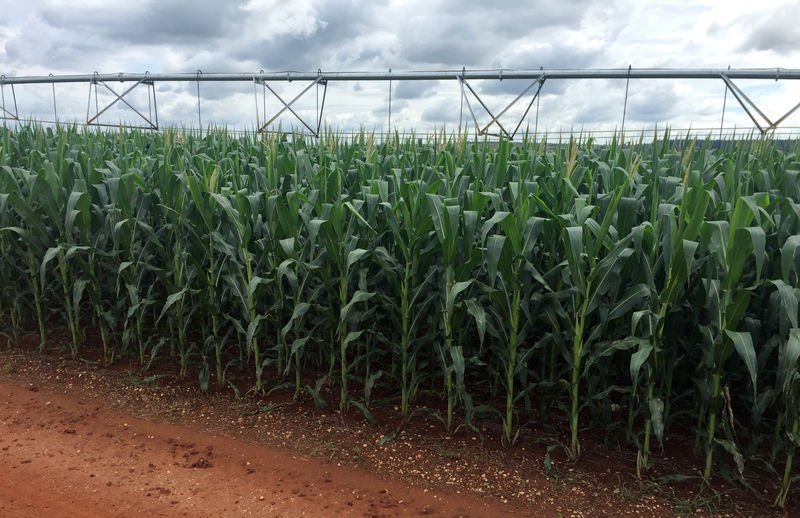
{"x": 454, "y": 291}
{"x": 367, "y": 414}
{"x": 657, "y": 417}
{"x": 679, "y": 273}
{"x": 633, "y": 297}
{"x": 319, "y": 402}
{"x": 731, "y": 448}
{"x": 71, "y": 251}
{"x": 253, "y": 285}
{"x": 358, "y": 297}
{"x": 78, "y": 288}
{"x": 496, "y": 218}
{"x": 459, "y": 365}
{"x": 77, "y": 205}
{"x": 370, "y": 383}
{"x": 789, "y": 255}
{"x": 436, "y": 207}
{"x": 353, "y": 257}
{"x": 759, "y": 240}
{"x": 788, "y": 300}
{"x": 788, "y": 356}
{"x": 743, "y": 343}
{"x": 297, "y": 314}
{"x": 351, "y": 336}
{"x": 479, "y": 314}
{"x": 638, "y": 359}
{"x": 171, "y": 300}
{"x": 353, "y": 210}
{"x": 574, "y": 248}
{"x": 48, "y": 256}
{"x": 494, "y": 249}
{"x": 298, "y": 344}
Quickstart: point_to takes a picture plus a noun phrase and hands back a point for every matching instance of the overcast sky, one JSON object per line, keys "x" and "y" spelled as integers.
{"x": 39, "y": 37}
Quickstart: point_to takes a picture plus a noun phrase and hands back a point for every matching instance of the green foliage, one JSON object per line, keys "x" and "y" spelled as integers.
{"x": 659, "y": 278}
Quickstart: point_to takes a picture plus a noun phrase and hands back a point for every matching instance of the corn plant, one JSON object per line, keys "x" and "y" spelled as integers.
{"x": 512, "y": 277}
{"x": 303, "y": 258}
{"x": 788, "y": 370}
{"x": 731, "y": 243}
{"x": 667, "y": 263}
{"x": 242, "y": 277}
{"x": 583, "y": 277}
{"x": 447, "y": 223}
{"x": 32, "y": 231}
{"x": 406, "y": 267}
{"x": 339, "y": 233}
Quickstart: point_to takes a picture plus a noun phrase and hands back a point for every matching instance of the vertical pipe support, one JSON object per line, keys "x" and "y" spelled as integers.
{"x": 625, "y": 106}
{"x": 389, "y": 132}
{"x": 199, "y": 118}
{"x": 55, "y": 111}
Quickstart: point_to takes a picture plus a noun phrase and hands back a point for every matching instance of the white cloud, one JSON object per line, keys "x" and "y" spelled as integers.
{"x": 60, "y": 37}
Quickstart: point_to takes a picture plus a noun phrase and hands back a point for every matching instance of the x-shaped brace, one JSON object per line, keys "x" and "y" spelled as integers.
{"x": 496, "y": 118}
{"x": 744, "y": 101}
{"x": 152, "y": 122}
{"x": 6, "y": 114}
{"x": 288, "y": 106}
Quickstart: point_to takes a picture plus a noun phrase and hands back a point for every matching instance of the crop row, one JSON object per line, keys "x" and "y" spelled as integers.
{"x": 658, "y": 278}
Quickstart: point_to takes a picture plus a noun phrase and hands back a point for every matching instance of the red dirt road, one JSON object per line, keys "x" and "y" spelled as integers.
{"x": 60, "y": 456}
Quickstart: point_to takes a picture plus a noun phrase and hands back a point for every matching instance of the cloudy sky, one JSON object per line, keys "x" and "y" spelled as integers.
{"x": 39, "y": 37}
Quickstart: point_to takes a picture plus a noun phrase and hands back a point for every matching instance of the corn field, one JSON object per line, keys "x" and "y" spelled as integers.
{"x": 521, "y": 284}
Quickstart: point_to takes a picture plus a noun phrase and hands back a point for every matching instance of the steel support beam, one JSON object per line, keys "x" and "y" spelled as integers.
{"x": 759, "y": 118}
{"x": 745, "y": 101}
{"x": 496, "y": 118}
{"x": 94, "y": 120}
{"x": 445, "y": 75}
{"x": 288, "y": 106}
{"x": 5, "y": 114}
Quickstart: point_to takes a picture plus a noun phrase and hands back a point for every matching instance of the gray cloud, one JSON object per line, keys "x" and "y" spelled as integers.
{"x": 444, "y": 112}
{"x": 778, "y": 31}
{"x": 247, "y": 35}
{"x": 651, "y": 103}
{"x": 545, "y": 55}
{"x": 413, "y": 89}
{"x": 149, "y": 22}
{"x": 332, "y": 42}
{"x": 450, "y": 34}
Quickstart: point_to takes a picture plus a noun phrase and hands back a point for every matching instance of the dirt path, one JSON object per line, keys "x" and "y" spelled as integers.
{"x": 64, "y": 457}
{"x": 77, "y": 439}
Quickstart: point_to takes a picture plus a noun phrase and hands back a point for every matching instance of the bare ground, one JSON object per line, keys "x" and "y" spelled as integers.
{"x": 77, "y": 439}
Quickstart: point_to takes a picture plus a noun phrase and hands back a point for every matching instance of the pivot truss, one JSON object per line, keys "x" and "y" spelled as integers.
{"x": 94, "y": 120}
{"x": 494, "y": 127}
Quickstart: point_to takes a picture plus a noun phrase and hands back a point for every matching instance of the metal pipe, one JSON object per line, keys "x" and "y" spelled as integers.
{"x": 461, "y": 112}
{"x": 724, "y": 104}
{"x": 287, "y": 106}
{"x": 436, "y": 75}
{"x": 155, "y": 104}
{"x": 322, "y": 108}
{"x": 55, "y": 110}
{"x": 197, "y": 77}
{"x": 390, "y": 104}
{"x": 534, "y": 98}
{"x": 536, "y": 124}
{"x": 494, "y": 119}
{"x": 512, "y": 103}
{"x": 735, "y": 91}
